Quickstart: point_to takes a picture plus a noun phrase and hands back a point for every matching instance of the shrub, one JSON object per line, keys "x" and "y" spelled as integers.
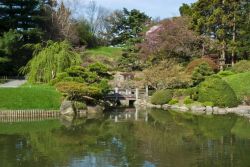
{"x": 225, "y": 73}
{"x": 241, "y": 66}
{"x": 162, "y": 97}
{"x": 247, "y": 100}
{"x": 200, "y": 73}
{"x": 197, "y": 62}
{"x": 79, "y": 105}
{"x": 188, "y": 100}
{"x": 173, "y": 101}
{"x": 216, "y": 90}
{"x": 208, "y": 103}
{"x": 79, "y": 91}
{"x": 193, "y": 93}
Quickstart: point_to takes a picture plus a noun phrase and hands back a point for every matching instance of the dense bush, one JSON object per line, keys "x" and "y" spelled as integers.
{"x": 162, "y": 97}
{"x": 225, "y": 73}
{"x": 200, "y": 73}
{"x": 188, "y": 100}
{"x": 79, "y": 91}
{"x": 208, "y": 103}
{"x": 173, "y": 101}
{"x": 197, "y": 62}
{"x": 241, "y": 66}
{"x": 217, "y": 91}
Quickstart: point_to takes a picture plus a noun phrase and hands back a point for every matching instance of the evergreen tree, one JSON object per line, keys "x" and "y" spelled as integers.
{"x": 221, "y": 20}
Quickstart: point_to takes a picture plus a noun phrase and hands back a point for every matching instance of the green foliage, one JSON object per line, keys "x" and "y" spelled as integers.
{"x": 241, "y": 66}
{"x": 185, "y": 10}
{"x": 30, "y": 97}
{"x": 126, "y": 26}
{"x": 162, "y": 97}
{"x": 188, "y": 100}
{"x": 93, "y": 78}
{"x": 76, "y": 91}
{"x": 85, "y": 35}
{"x": 225, "y": 73}
{"x": 200, "y": 73}
{"x": 9, "y": 42}
{"x": 129, "y": 62}
{"x": 197, "y": 62}
{"x": 173, "y": 101}
{"x": 99, "y": 68}
{"x": 79, "y": 105}
{"x": 216, "y": 90}
{"x": 51, "y": 60}
{"x": 208, "y": 103}
{"x": 240, "y": 84}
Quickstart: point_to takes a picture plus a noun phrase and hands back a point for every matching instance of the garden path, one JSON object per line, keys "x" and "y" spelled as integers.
{"x": 13, "y": 84}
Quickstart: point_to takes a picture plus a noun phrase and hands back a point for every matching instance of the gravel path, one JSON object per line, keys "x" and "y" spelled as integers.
{"x": 13, "y": 84}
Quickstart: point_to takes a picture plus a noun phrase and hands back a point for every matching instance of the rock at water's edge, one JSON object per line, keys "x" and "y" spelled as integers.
{"x": 67, "y": 108}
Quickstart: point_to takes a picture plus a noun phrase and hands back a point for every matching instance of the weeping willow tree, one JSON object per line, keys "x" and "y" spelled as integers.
{"x": 49, "y": 61}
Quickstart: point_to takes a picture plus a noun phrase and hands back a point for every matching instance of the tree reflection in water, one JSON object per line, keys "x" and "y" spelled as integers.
{"x": 128, "y": 138}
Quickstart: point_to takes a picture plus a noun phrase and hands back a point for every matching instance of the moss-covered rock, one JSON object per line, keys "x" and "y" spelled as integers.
{"x": 217, "y": 91}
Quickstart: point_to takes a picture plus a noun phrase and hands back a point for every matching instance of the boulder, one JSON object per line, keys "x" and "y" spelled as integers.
{"x": 158, "y": 106}
{"x": 198, "y": 109}
{"x": 183, "y": 108}
{"x": 174, "y": 107}
{"x": 166, "y": 106}
{"x": 209, "y": 110}
{"x": 215, "y": 110}
{"x": 94, "y": 109}
{"x": 67, "y": 108}
{"x": 222, "y": 111}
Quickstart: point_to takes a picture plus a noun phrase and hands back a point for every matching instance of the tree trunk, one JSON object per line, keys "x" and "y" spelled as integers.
{"x": 223, "y": 56}
{"x": 234, "y": 39}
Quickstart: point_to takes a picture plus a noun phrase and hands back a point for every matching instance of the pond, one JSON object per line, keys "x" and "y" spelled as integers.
{"x": 152, "y": 138}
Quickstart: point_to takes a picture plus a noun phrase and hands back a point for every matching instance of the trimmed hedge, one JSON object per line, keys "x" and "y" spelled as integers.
{"x": 162, "y": 97}
{"x": 217, "y": 91}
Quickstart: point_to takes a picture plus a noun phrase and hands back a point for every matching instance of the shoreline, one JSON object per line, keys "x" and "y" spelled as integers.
{"x": 241, "y": 110}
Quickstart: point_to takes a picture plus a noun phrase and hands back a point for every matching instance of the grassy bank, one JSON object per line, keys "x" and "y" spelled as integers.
{"x": 106, "y": 55}
{"x": 30, "y": 97}
{"x": 111, "y": 52}
{"x": 240, "y": 84}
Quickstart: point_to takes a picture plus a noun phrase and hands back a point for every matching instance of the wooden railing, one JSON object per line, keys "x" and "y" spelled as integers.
{"x": 27, "y": 115}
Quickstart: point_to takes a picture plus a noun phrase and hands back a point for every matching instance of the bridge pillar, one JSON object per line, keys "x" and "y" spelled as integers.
{"x": 146, "y": 90}
{"x": 116, "y": 93}
{"x": 136, "y": 94}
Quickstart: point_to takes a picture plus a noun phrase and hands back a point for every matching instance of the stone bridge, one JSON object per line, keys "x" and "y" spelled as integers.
{"x": 126, "y": 97}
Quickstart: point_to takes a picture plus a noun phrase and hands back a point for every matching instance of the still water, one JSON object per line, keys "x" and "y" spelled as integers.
{"x": 153, "y": 138}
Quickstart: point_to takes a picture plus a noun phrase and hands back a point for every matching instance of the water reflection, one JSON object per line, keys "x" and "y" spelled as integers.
{"x": 127, "y": 138}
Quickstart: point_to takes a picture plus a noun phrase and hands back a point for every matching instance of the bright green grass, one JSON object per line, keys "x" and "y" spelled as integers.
{"x": 110, "y": 52}
{"x": 240, "y": 84}
{"x": 30, "y": 97}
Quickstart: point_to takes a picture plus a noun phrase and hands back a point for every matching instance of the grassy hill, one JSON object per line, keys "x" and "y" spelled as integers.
{"x": 106, "y": 55}
{"x": 240, "y": 83}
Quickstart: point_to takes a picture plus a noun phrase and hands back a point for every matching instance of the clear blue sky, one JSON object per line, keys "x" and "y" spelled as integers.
{"x": 153, "y": 8}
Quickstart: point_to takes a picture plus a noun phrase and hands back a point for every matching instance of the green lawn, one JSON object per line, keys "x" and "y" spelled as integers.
{"x": 240, "y": 84}
{"x": 110, "y": 52}
{"x": 30, "y": 97}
